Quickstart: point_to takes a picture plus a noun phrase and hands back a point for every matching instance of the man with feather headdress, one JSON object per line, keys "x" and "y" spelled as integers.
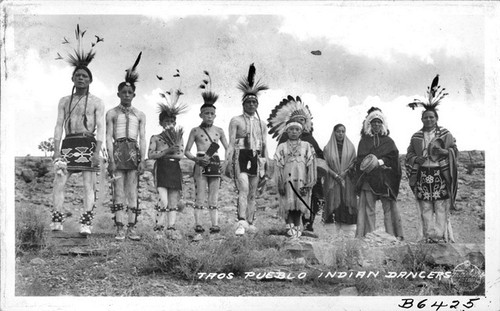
{"x": 247, "y": 151}
{"x": 167, "y": 149}
{"x": 207, "y": 169}
{"x": 378, "y": 176}
{"x": 81, "y": 116}
{"x": 124, "y": 125}
{"x": 431, "y": 166}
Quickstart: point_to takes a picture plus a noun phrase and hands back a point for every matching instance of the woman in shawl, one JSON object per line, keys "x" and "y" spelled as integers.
{"x": 340, "y": 196}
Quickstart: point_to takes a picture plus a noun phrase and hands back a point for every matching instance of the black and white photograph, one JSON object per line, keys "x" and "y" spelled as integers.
{"x": 249, "y": 155}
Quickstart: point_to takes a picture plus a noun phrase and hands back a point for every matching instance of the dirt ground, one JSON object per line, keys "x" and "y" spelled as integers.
{"x": 467, "y": 222}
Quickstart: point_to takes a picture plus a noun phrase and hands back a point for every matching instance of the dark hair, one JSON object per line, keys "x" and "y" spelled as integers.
{"x": 123, "y": 84}
{"x": 85, "y": 68}
{"x": 432, "y": 110}
{"x": 336, "y": 127}
{"x": 163, "y": 115}
{"x": 207, "y": 106}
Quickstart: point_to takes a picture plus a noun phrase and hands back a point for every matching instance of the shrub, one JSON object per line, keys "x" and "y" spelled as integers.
{"x": 185, "y": 260}
{"x": 31, "y": 222}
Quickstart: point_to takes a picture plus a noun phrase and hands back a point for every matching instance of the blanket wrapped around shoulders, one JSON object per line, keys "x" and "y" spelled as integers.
{"x": 448, "y": 164}
{"x": 383, "y": 180}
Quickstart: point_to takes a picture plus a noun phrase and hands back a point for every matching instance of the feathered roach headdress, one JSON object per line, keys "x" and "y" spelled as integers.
{"x": 249, "y": 87}
{"x": 172, "y": 108}
{"x": 209, "y": 97}
{"x": 372, "y": 114}
{"x": 79, "y": 58}
{"x": 288, "y": 109}
{"x": 434, "y": 93}
{"x": 132, "y": 75}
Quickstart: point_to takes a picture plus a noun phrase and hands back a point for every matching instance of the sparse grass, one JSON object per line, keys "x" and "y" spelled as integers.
{"x": 185, "y": 260}
{"x": 31, "y": 221}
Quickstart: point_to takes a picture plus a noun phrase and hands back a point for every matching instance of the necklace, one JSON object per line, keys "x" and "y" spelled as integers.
{"x": 294, "y": 146}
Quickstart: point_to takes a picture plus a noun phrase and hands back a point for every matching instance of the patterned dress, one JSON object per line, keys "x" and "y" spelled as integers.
{"x": 296, "y": 165}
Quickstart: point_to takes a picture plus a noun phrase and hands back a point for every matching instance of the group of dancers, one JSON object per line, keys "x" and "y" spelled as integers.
{"x": 344, "y": 183}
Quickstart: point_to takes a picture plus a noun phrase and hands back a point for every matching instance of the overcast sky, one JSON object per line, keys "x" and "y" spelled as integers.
{"x": 372, "y": 55}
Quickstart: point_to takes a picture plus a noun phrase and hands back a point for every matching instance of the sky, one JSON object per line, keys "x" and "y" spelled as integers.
{"x": 372, "y": 55}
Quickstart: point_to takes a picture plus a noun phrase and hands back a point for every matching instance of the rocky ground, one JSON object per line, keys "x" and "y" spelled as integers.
{"x": 34, "y": 178}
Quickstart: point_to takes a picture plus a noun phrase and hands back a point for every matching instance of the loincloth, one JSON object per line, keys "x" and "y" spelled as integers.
{"x": 247, "y": 161}
{"x": 168, "y": 174}
{"x": 126, "y": 154}
{"x": 213, "y": 168}
{"x": 77, "y": 150}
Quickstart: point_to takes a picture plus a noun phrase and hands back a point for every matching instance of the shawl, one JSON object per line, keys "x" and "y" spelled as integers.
{"x": 339, "y": 164}
{"x": 448, "y": 164}
{"x": 383, "y": 180}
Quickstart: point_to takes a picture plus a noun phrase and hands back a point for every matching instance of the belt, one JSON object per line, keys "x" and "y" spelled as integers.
{"x": 120, "y": 140}
{"x": 200, "y": 154}
{"x": 80, "y": 135}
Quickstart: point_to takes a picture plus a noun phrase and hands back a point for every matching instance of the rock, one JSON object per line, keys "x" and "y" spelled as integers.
{"x": 315, "y": 251}
{"x": 349, "y": 291}
{"x": 37, "y": 261}
{"x": 448, "y": 254}
{"x": 28, "y": 175}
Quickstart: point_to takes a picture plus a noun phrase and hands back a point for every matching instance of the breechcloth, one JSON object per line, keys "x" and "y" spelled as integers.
{"x": 125, "y": 154}
{"x": 213, "y": 169}
{"x": 201, "y": 182}
{"x": 77, "y": 150}
{"x": 248, "y": 161}
{"x": 168, "y": 174}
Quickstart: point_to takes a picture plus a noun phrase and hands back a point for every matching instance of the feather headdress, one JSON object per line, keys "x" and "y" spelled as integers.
{"x": 249, "y": 86}
{"x": 79, "y": 57}
{"x": 374, "y": 113}
{"x": 132, "y": 75}
{"x": 434, "y": 96}
{"x": 209, "y": 97}
{"x": 172, "y": 107}
{"x": 288, "y": 109}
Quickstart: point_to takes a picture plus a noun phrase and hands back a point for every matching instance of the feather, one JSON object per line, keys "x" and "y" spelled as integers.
{"x": 286, "y": 110}
{"x": 251, "y": 75}
{"x": 132, "y": 75}
{"x": 435, "y": 83}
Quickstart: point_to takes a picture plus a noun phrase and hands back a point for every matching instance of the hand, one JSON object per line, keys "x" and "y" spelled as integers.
{"x": 57, "y": 154}
{"x": 281, "y": 189}
{"x": 111, "y": 168}
{"x": 420, "y": 160}
{"x": 441, "y": 151}
{"x": 304, "y": 190}
{"x": 141, "y": 167}
{"x": 202, "y": 161}
{"x": 96, "y": 159}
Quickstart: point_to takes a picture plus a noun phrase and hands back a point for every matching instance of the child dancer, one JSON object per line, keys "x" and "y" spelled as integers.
{"x": 296, "y": 175}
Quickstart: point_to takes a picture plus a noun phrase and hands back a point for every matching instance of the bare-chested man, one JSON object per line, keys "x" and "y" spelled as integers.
{"x": 124, "y": 124}
{"x": 80, "y": 115}
{"x": 207, "y": 169}
{"x": 247, "y": 152}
